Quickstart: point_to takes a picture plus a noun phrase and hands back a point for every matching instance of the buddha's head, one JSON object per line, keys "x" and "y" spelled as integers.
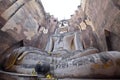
{"x": 63, "y": 26}
{"x": 63, "y": 23}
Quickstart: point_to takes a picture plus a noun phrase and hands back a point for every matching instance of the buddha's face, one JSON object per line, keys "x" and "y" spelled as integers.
{"x": 63, "y": 26}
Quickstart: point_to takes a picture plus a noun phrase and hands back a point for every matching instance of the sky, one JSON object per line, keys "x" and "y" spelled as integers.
{"x": 61, "y": 9}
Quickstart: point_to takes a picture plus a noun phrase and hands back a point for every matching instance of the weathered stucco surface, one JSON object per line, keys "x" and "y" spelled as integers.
{"x": 24, "y": 20}
{"x": 4, "y": 4}
{"x": 102, "y": 16}
{"x": 25, "y": 23}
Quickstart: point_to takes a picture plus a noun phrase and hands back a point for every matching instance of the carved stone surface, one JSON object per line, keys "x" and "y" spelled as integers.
{"x": 69, "y": 41}
{"x": 69, "y": 54}
{"x": 24, "y": 59}
{"x": 102, "y": 65}
{"x": 91, "y": 65}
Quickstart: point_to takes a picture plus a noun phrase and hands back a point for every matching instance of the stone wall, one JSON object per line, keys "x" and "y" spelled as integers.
{"x": 4, "y": 4}
{"x": 105, "y": 15}
{"x": 7, "y": 43}
{"x": 24, "y": 20}
{"x": 2, "y": 22}
{"x": 104, "y": 18}
{"x": 27, "y": 20}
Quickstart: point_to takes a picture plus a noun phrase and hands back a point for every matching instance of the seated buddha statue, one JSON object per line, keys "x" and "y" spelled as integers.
{"x": 87, "y": 63}
{"x": 64, "y": 40}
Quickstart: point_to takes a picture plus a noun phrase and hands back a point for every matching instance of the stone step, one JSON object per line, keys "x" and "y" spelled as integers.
{"x": 13, "y": 9}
